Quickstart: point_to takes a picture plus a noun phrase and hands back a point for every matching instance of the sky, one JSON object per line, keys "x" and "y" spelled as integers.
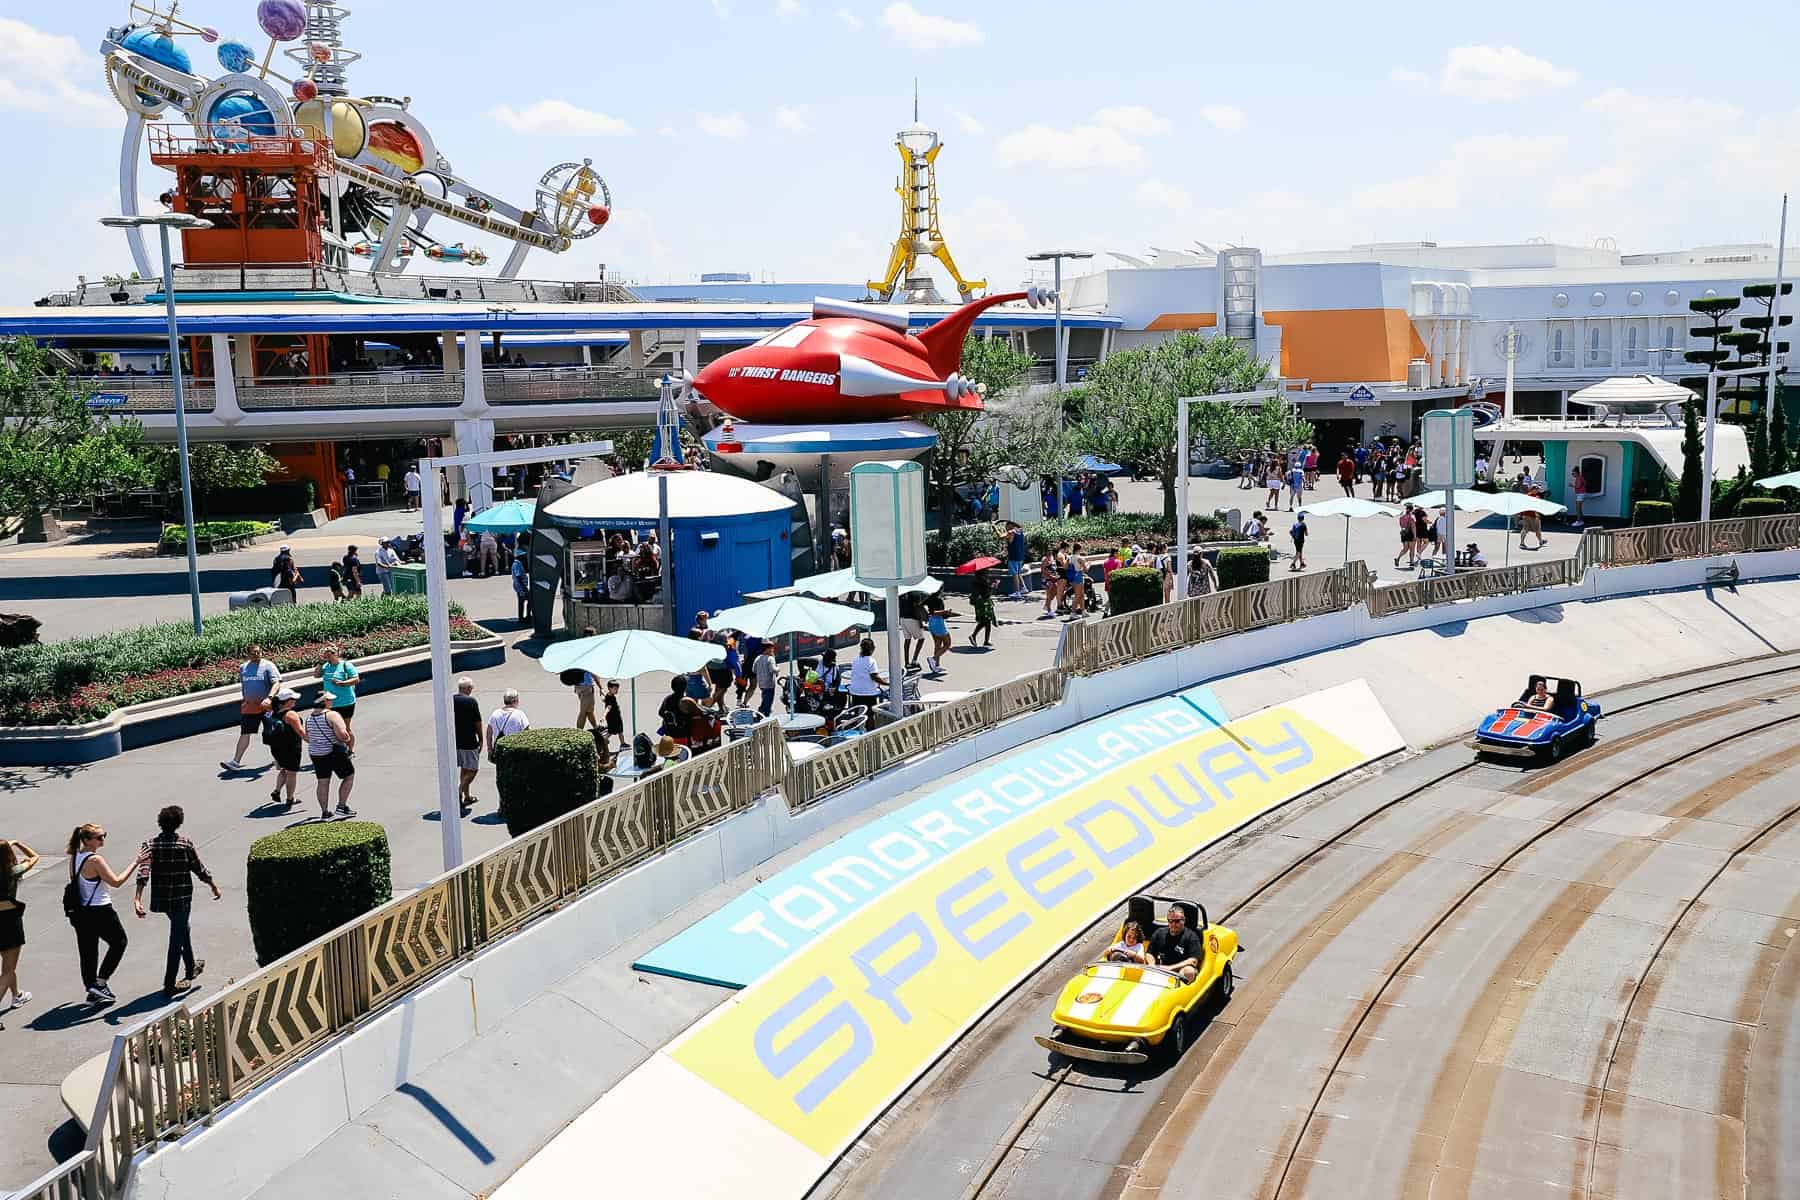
{"x": 757, "y": 135}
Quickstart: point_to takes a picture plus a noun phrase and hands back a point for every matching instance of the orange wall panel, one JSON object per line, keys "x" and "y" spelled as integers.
{"x": 1346, "y": 345}
{"x": 1183, "y": 321}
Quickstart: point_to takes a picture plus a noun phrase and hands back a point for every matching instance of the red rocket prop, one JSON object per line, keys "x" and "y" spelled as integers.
{"x": 850, "y": 362}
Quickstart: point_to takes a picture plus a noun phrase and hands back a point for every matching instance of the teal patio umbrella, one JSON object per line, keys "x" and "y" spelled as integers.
{"x": 508, "y": 516}
{"x": 1348, "y": 507}
{"x": 1508, "y": 504}
{"x": 786, "y": 616}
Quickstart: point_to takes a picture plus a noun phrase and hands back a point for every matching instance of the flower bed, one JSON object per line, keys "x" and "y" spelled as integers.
{"x": 1111, "y": 529}
{"x": 71, "y": 682}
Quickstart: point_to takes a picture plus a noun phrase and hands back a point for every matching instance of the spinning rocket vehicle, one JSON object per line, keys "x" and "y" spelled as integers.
{"x": 850, "y": 362}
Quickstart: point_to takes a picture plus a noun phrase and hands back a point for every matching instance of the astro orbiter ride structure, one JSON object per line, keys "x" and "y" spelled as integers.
{"x": 349, "y": 177}
{"x": 919, "y": 235}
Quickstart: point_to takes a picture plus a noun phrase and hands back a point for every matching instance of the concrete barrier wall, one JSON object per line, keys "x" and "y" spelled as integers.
{"x": 1434, "y": 671}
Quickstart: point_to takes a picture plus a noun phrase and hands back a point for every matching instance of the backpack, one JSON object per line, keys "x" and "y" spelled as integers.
{"x": 271, "y": 728}
{"x": 71, "y": 896}
{"x": 573, "y": 677}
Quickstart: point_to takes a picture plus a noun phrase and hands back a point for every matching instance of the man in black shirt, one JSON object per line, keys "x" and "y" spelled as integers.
{"x": 467, "y": 711}
{"x": 1176, "y": 947}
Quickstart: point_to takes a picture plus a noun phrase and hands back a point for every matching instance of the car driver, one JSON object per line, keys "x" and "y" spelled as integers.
{"x": 1540, "y": 696}
{"x": 1177, "y": 948}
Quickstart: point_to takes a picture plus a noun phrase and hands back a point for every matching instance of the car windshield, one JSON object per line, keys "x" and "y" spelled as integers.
{"x": 1152, "y": 974}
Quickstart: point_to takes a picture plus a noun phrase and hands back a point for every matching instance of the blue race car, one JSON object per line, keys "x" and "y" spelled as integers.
{"x": 1549, "y": 719}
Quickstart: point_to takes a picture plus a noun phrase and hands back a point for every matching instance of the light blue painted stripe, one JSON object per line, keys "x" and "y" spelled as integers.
{"x": 760, "y": 929}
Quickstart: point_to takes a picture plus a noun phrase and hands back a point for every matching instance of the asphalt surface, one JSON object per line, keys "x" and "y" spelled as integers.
{"x": 1458, "y": 980}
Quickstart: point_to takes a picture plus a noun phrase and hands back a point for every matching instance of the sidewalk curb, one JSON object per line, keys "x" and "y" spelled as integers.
{"x": 217, "y": 708}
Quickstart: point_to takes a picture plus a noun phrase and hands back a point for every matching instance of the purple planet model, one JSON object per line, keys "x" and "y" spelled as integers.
{"x": 283, "y": 20}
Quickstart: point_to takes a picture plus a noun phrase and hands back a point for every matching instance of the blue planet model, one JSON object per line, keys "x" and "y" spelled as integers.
{"x": 246, "y": 111}
{"x": 236, "y": 57}
{"x": 158, "y": 48}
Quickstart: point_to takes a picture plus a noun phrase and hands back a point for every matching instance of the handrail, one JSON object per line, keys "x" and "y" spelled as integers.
{"x": 179, "y": 1069}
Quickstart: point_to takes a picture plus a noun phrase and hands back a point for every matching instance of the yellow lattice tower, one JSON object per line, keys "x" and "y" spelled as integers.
{"x": 919, "y": 233}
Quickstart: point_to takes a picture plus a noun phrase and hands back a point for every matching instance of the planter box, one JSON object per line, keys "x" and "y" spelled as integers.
{"x": 213, "y": 545}
{"x": 217, "y": 708}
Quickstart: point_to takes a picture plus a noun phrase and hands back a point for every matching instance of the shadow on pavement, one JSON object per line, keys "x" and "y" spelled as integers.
{"x": 70, "y": 1016}
{"x": 447, "y": 1119}
{"x": 23, "y": 781}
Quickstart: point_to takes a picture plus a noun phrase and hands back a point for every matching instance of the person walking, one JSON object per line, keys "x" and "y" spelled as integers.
{"x": 285, "y": 573}
{"x": 981, "y": 598}
{"x": 912, "y": 628}
{"x": 414, "y": 486}
{"x": 168, "y": 865}
{"x": 353, "y": 582}
{"x": 764, "y": 670}
{"x": 1297, "y": 531}
{"x": 458, "y": 515}
{"x": 258, "y": 680}
{"x": 16, "y": 858}
{"x": 1203, "y": 578}
{"x": 1052, "y": 583}
{"x": 1346, "y": 473}
{"x": 938, "y": 626}
{"x": 331, "y": 744}
{"x": 508, "y": 719}
{"x": 490, "y": 554}
{"x": 95, "y": 919}
{"x": 1075, "y": 576}
{"x": 284, "y": 737}
{"x": 340, "y": 678}
{"x": 1296, "y": 482}
{"x": 1578, "y": 495}
{"x": 465, "y": 713}
{"x": 385, "y": 561}
{"x": 521, "y": 582}
{"x": 1408, "y": 550}
{"x": 1272, "y": 481}
{"x": 615, "y": 720}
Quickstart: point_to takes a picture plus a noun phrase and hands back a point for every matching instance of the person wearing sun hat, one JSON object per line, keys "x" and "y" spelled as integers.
{"x": 666, "y": 748}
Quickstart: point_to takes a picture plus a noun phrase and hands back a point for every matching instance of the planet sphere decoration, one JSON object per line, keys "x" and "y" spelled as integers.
{"x": 348, "y": 132}
{"x": 236, "y": 57}
{"x": 305, "y": 89}
{"x": 283, "y": 20}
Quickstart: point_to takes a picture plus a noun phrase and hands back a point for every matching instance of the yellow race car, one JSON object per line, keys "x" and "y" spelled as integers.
{"x": 1123, "y": 1005}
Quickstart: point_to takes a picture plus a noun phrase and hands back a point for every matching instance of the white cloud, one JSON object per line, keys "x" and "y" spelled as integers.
{"x": 789, "y": 10}
{"x": 1227, "y": 118}
{"x": 1500, "y": 73}
{"x": 794, "y": 118}
{"x": 665, "y": 131}
{"x": 967, "y": 124}
{"x": 926, "y": 31}
{"x": 1154, "y": 193}
{"x": 1078, "y": 148}
{"x": 38, "y": 73}
{"x": 1134, "y": 120}
{"x": 1474, "y": 165}
{"x": 849, "y": 18}
{"x": 1410, "y": 77}
{"x": 721, "y": 10}
{"x": 1105, "y": 140}
{"x": 559, "y": 118}
{"x": 730, "y": 126}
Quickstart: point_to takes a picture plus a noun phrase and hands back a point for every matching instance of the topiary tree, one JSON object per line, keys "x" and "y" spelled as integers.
{"x": 1652, "y": 512}
{"x": 1761, "y": 506}
{"x": 1132, "y": 588}
{"x": 304, "y": 882}
{"x": 542, "y": 774}
{"x": 1240, "y": 566}
{"x": 1687, "y": 492}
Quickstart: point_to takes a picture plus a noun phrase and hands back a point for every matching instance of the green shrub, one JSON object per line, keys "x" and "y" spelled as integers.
{"x": 1240, "y": 566}
{"x": 542, "y": 774}
{"x": 212, "y": 531}
{"x": 83, "y": 679}
{"x": 304, "y": 882}
{"x": 1652, "y": 512}
{"x": 970, "y": 541}
{"x": 1132, "y": 588}
{"x": 1761, "y": 506}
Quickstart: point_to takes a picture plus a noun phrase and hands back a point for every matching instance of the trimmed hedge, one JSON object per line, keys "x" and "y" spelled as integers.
{"x": 1652, "y": 512}
{"x": 1761, "y": 506}
{"x": 84, "y": 679}
{"x": 1113, "y": 528}
{"x": 212, "y": 531}
{"x": 1132, "y": 588}
{"x": 542, "y": 774}
{"x": 1240, "y": 566}
{"x": 304, "y": 882}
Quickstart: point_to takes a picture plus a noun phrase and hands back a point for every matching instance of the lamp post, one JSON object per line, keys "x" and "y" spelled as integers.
{"x": 1060, "y": 357}
{"x": 165, "y": 222}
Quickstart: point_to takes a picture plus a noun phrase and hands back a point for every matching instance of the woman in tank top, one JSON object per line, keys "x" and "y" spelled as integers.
{"x": 96, "y": 920}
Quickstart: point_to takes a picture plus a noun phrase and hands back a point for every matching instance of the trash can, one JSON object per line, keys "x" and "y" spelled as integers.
{"x": 409, "y": 579}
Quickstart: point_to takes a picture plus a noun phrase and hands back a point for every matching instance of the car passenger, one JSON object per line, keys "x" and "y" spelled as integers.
{"x": 1130, "y": 946}
{"x": 1177, "y": 948}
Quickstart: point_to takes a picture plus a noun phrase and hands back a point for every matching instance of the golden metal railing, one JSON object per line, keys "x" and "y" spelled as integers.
{"x": 177, "y": 1070}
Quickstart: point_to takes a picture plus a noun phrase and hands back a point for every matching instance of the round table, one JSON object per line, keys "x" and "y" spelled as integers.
{"x": 801, "y": 723}
{"x": 801, "y": 751}
{"x": 944, "y": 697}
